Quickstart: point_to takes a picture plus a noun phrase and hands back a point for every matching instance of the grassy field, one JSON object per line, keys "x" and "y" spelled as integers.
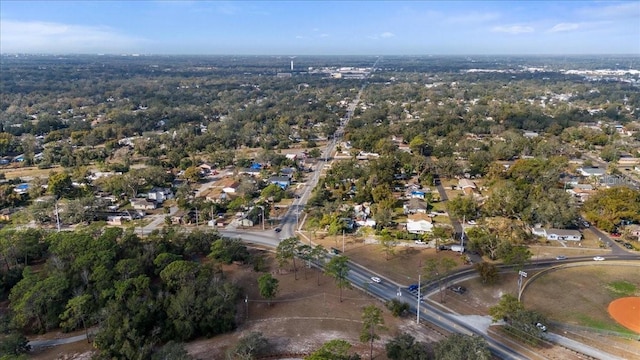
{"x": 580, "y": 295}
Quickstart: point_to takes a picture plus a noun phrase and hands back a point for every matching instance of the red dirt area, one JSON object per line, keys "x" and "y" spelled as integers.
{"x": 626, "y": 311}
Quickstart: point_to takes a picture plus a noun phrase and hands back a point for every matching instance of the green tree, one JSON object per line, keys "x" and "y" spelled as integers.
{"x": 333, "y": 350}
{"x": 462, "y": 347}
{"x": 285, "y": 251}
{"x": 272, "y": 191}
{"x": 172, "y": 351}
{"x": 463, "y": 207}
{"x": 517, "y": 255}
{"x": 397, "y": 307}
{"x": 229, "y": 250}
{"x": 404, "y": 347}
{"x": 193, "y": 174}
{"x": 372, "y": 322}
{"x": 488, "y": 272}
{"x": 268, "y": 286}
{"x": 438, "y": 270}
{"x": 338, "y": 268}
{"x": 77, "y": 313}
{"x": 305, "y": 253}
{"x": 319, "y": 253}
{"x": 251, "y": 346}
{"x": 59, "y": 184}
{"x": 507, "y": 306}
{"x": 13, "y": 344}
{"x": 388, "y": 243}
{"x": 608, "y": 207}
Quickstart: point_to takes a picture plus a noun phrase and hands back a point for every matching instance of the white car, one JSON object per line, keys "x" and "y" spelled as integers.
{"x": 598, "y": 258}
{"x": 376, "y": 279}
{"x": 541, "y": 326}
{"x": 471, "y": 222}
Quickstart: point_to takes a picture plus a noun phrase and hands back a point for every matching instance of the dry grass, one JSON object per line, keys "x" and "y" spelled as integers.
{"x": 29, "y": 172}
{"x": 402, "y": 268}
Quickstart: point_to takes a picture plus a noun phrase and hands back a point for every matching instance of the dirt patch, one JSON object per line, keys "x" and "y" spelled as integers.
{"x": 303, "y": 316}
{"x": 626, "y": 311}
{"x": 402, "y": 267}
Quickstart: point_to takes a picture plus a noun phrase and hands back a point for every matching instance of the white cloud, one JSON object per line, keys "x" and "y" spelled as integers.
{"x": 47, "y": 37}
{"x": 513, "y": 29}
{"x": 299, "y": 37}
{"x": 323, "y": 35}
{"x": 386, "y": 35}
{"x": 562, "y": 27}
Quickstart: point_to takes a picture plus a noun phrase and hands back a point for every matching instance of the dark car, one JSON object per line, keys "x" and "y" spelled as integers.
{"x": 278, "y": 230}
{"x": 413, "y": 287}
{"x": 458, "y": 289}
{"x": 628, "y": 245}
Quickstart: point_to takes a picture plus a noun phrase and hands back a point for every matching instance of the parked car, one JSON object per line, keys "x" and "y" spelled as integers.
{"x": 598, "y": 258}
{"x": 628, "y": 246}
{"x": 471, "y": 222}
{"x": 586, "y": 224}
{"x": 561, "y": 257}
{"x": 420, "y": 242}
{"x": 376, "y": 279}
{"x": 457, "y": 289}
{"x": 278, "y": 230}
{"x": 541, "y": 326}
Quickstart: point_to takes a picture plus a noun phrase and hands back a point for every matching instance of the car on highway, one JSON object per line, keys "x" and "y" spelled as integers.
{"x": 598, "y": 258}
{"x": 541, "y": 326}
{"x": 561, "y": 257}
{"x": 457, "y": 289}
{"x": 277, "y": 230}
{"x": 376, "y": 279}
{"x": 413, "y": 287}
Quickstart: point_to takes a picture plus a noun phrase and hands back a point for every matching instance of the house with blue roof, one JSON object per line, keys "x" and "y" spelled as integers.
{"x": 282, "y": 181}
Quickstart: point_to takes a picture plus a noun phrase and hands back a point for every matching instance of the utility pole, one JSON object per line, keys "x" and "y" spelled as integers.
{"x": 418, "y": 307}
{"x": 342, "y": 240}
{"x": 262, "y": 208}
{"x": 57, "y": 216}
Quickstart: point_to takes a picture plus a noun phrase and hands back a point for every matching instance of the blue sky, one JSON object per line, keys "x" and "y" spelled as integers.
{"x": 316, "y": 27}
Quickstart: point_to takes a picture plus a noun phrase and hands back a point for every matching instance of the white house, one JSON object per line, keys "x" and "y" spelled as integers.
{"x": 589, "y": 172}
{"x": 159, "y": 195}
{"x": 419, "y": 223}
{"x": 229, "y": 185}
{"x": 558, "y": 234}
{"x": 143, "y": 204}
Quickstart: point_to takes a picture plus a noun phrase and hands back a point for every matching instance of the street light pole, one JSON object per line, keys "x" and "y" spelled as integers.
{"x": 521, "y": 274}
